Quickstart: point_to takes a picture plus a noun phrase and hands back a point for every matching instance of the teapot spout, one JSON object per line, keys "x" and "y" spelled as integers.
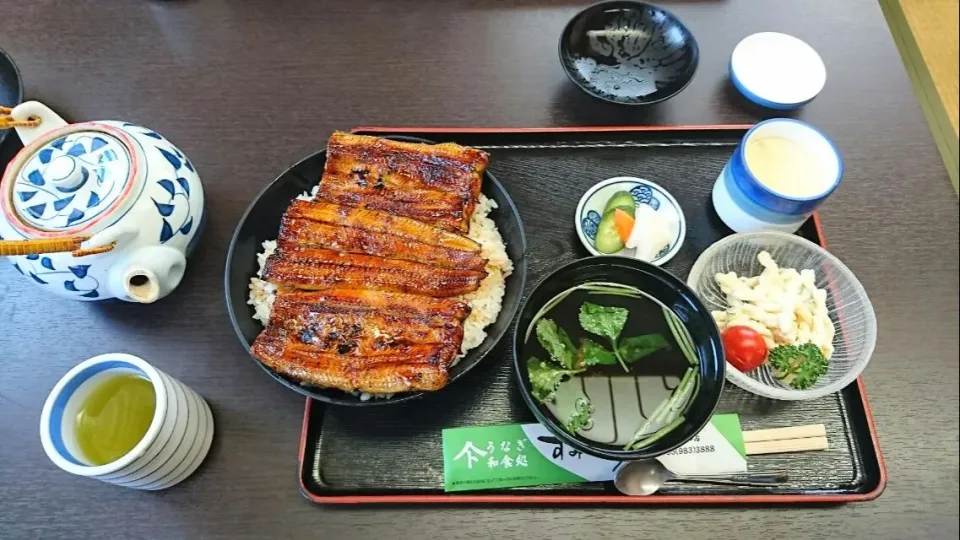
{"x": 149, "y": 274}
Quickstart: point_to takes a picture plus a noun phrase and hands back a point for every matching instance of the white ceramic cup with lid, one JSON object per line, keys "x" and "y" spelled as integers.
{"x": 175, "y": 444}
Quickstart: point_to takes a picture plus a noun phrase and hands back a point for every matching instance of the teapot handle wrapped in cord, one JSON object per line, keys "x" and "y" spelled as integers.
{"x": 8, "y": 121}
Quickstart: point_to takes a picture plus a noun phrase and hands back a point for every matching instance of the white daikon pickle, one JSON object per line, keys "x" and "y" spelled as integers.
{"x": 652, "y": 231}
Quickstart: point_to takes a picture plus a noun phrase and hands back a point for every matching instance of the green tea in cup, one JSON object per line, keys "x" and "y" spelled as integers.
{"x": 114, "y": 417}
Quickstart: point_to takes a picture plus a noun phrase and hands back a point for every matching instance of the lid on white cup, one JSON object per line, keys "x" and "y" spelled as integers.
{"x": 777, "y": 70}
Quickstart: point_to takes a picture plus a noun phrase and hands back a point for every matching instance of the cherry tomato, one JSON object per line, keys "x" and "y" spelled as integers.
{"x": 744, "y": 347}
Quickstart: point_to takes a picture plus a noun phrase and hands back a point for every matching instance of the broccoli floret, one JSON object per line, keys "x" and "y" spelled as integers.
{"x": 798, "y": 365}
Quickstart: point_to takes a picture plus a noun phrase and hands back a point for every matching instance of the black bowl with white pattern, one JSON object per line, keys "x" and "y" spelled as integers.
{"x": 631, "y": 53}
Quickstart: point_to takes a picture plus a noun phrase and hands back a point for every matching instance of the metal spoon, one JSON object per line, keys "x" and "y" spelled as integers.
{"x": 645, "y": 477}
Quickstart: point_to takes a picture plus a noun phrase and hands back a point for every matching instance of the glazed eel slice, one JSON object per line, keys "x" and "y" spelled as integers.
{"x": 438, "y": 184}
{"x": 417, "y": 243}
{"x": 362, "y": 340}
{"x": 316, "y": 269}
{"x": 367, "y": 321}
{"x": 374, "y": 221}
{"x": 399, "y": 368}
{"x": 365, "y": 301}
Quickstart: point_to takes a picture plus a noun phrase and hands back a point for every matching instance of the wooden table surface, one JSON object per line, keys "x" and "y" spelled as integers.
{"x": 247, "y": 88}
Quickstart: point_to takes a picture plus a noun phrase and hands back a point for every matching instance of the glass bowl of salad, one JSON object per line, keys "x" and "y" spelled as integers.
{"x": 795, "y": 322}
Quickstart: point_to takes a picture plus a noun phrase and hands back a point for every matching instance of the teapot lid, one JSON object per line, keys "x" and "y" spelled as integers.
{"x": 69, "y": 182}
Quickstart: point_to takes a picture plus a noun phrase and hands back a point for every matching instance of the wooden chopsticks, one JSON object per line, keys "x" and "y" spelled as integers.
{"x": 783, "y": 440}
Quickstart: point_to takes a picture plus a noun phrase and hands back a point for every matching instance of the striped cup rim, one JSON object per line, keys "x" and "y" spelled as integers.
{"x": 51, "y": 419}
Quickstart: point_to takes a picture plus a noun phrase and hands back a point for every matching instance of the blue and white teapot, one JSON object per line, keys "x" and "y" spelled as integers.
{"x": 135, "y": 195}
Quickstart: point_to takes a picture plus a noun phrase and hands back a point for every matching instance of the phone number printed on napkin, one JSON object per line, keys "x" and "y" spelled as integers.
{"x": 693, "y": 448}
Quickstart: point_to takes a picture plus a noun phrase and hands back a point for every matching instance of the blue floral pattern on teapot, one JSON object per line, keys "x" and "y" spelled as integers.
{"x": 72, "y": 181}
{"x": 125, "y": 185}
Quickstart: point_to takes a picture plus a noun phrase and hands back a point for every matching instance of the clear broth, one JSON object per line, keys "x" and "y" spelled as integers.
{"x": 621, "y": 402}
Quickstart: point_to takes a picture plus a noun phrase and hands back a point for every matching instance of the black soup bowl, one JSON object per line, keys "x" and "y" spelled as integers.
{"x": 618, "y": 409}
{"x": 261, "y": 222}
{"x": 631, "y": 53}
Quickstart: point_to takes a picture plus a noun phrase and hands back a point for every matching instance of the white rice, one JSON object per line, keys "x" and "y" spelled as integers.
{"x": 263, "y": 293}
{"x": 485, "y": 303}
{"x": 309, "y": 196}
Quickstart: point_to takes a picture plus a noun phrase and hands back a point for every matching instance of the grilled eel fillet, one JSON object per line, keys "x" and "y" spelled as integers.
{"x": 316, "y": 269}
{"x": 358, "y": 230}
{"x": 363, "y": 340}
{"x": 437, "y": 184}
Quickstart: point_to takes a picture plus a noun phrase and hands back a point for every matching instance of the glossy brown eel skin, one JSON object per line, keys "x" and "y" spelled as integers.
{"x": 310, "y": 233}
{"x": 373, "y": 301}
{"x": 314, "y": 269}
{"x": 367, "y": 272}
{"x": 380, "y": 222}
{"x": 437, "y": 184}
{"x": 362, "y": 340}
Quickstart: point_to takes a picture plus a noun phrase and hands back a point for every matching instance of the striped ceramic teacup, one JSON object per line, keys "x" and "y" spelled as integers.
{"x": 174, "y": 445}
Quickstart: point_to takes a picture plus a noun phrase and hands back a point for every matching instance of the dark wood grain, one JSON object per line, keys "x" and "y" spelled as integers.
{"x": 248, "y": 87}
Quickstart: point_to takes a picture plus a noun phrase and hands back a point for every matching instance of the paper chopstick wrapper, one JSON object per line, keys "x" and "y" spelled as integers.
{"x": 718, "y": 449}
{"x": 491, "y": 457}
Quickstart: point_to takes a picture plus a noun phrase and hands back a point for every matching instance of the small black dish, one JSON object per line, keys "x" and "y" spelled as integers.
{"x": 669, "y": 291}
{"x": 11, "y": 86}
{"x": 631, "y": 53}
{"x": 261, "y": 222}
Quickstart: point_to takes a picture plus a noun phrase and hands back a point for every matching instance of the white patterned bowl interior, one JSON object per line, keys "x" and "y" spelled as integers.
{"x": 847, "y": 302}
{"x": 592, "y": 203}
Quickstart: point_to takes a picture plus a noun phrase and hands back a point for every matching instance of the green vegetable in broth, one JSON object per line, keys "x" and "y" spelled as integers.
{"x": 566, "y": 360}
{"x": 557, "y": 343}
{"x": 580, "y": 417}
{"x": 678, "y": 400}
{"x": 681, "y": 336}
{"x": 546, "y": 377}
{"x": 681, "y": 395}
{"x": 603, "y": 320}
{"x": 655, "y": 436}
{"x": 631, "y": 350}
{"x": 606, "y": 321}
{"x": 592, "y": 353}
{"x": 634, "y": 348}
